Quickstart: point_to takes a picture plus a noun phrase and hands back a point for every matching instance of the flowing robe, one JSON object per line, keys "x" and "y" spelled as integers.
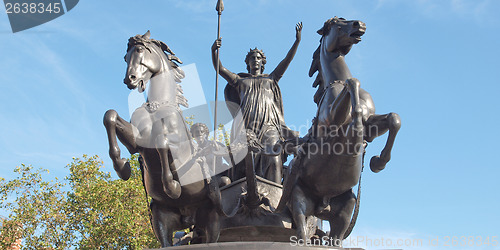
{"x": 259, "y": 100}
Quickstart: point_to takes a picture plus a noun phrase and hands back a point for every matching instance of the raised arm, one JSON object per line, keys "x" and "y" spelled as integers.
{"x": 225, "y": 73}
{"x": 283, "y": 65}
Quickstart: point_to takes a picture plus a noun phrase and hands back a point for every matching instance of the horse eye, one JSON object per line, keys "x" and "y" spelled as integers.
{"x": 139, "y": 49}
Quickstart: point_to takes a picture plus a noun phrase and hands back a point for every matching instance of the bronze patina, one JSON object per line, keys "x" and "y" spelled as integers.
{"x": 246, "y": 200}
{"x": 259, "y": 99}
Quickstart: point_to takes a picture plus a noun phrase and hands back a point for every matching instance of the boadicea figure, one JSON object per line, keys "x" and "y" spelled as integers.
{"x": 259, "y": 98}
{"x": 157, "y": 132}
{"x": 329, "y": 163}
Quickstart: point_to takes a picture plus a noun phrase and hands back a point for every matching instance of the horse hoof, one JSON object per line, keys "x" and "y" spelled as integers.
{"x": 377, "y": 164}
{"x": 173, "y": 189}
{"x": 224, "y": 181}
{"x": 122, "y": 168}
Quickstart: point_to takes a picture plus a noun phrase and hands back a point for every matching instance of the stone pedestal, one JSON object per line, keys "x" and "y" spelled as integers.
{"x": 252, "y": 246}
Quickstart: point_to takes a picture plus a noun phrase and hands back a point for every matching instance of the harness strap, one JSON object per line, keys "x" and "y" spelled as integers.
{"x": 358, "y": 197}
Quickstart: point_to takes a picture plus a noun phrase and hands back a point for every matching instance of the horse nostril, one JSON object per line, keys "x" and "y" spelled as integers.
{"x": 132, "y": 77}
{"x": 356, "y": 24}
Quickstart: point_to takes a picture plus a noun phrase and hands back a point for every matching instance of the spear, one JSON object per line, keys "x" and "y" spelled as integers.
{"x": 219, "y": 8}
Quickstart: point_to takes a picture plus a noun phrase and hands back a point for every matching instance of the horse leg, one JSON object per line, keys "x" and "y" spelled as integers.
{"x": 165, "y": 221}
{"x": 117, "y": 127}
{"x": 376, "y": 126}
{"x": 340, "y": 108}
{"x": 301, "y": 207}
{"x": 341, "y": 210}
{"x": 207, "y": 219}
{"x": 354, "y": 133}
{"x": 171, "y": 187}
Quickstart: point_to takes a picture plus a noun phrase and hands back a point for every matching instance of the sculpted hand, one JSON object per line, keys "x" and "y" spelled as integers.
{"x": 217, "y": 44}
{"x": 298, "y": 30}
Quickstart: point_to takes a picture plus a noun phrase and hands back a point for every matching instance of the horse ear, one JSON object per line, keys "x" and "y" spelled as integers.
{"x": 147, "y": 35}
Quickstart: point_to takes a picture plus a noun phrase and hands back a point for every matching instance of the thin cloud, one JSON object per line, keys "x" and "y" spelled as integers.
{"x": 479, "y": 11}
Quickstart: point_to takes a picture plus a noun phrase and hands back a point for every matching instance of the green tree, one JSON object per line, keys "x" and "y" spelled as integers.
{"x": 36, "y": 211}
{"x": 95, "y": 212}
{"x": 108, "y": 213}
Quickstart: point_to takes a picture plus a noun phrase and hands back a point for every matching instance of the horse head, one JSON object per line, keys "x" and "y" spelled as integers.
{"x": 337, "y": 37}
{"x": 146, "y": 58}
{"x": 339, "y": 34}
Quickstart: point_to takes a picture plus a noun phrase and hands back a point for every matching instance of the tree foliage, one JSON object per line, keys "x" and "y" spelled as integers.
{"x": 87, "y": 210}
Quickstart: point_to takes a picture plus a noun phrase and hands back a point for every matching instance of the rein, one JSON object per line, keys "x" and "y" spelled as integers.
{"x": 358, "y": 197}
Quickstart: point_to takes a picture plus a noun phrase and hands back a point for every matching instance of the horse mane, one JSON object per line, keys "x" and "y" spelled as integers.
{"x": 178, "y": 73}
{"x": 316, "y": 63}
{"x": 315, "y": 67}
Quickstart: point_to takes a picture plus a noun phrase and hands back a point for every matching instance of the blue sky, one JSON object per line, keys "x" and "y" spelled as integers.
{"x": 433, "y": 62}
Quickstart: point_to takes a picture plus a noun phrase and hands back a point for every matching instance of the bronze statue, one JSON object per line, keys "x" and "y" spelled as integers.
{"x": 259, "y": 98}
{"x": 178, "y": 181}
{"x": 181, "y": 175}
{"x": 329, "y": 163}
{"x": 213, "y": 153}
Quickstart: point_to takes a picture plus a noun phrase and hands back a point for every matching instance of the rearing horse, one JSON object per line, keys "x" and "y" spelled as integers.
{"x": 158, "y": 132}
{"x": 338, "y": 36}
{"x": 329, "y": 164}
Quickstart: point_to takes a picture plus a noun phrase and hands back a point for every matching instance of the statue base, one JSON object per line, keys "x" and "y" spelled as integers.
{"x": 253, "y": 246}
